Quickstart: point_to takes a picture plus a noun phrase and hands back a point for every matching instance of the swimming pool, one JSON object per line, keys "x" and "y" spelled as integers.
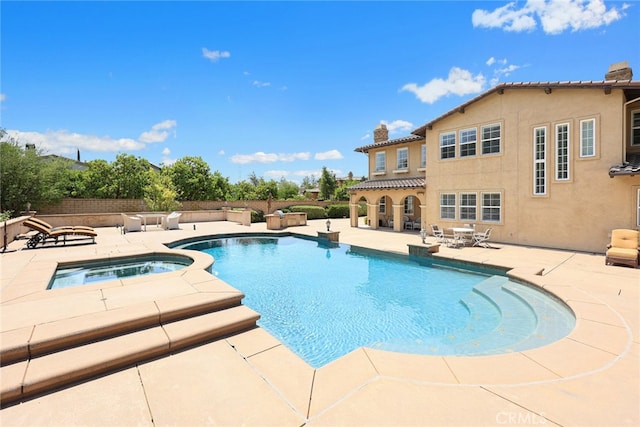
{"x": 86, "y": 273}
{"x": 324, "y": 301}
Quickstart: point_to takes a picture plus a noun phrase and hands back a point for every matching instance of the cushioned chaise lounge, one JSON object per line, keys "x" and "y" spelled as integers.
{"x": 45, "y": 233}
{"x": 624, "y": 248}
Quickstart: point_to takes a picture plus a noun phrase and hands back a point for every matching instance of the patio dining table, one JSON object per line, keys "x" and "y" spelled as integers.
{"x": 159, "y": 217}
{"x": 465, "y": 234}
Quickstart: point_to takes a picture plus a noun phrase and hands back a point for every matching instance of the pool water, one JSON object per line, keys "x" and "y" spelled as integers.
{"x": 325, "y": 301}
{"x": 104, "y": 270}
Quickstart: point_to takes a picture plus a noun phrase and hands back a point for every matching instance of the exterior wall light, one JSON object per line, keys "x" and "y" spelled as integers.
{"x": 328, "y": 224}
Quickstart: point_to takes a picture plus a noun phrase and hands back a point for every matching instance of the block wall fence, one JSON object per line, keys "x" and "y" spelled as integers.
{"x": 102, "y": 206}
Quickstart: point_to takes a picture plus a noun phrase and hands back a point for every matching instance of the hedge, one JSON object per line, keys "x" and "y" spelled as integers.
{"x": 313, "y": 212}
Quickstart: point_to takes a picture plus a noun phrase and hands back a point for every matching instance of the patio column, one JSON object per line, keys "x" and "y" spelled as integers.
{"x": 353, "y": 214}
{"x": 397, "y": 217}
{"x": 372, "y": 215}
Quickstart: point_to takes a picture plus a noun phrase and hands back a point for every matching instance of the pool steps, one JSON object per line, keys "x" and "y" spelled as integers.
{"x": 67, "y": 351}
{"x": 512, "y": 300}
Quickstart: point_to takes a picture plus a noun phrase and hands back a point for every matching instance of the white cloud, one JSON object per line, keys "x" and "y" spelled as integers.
{"x": 159, "y": 132}
{"x": 261, "y": 157}
{"x": 63, "y": 142}
{"x": 459, "y": 82}
{"x": 215, "y": 55}
{"x": 166, "y": 151}
{"x": 398, "y": 126}
{"x": 3, "y": 97}
{"x": 304, "y": 173}
{"x": 221, "y": 153}
{"x": 329, "y": 155}
{"x": 276, "y": 174}
{"x": 366, "y": 136}
{"x": 555, "y": 16}
{"x": 258, "y": 83}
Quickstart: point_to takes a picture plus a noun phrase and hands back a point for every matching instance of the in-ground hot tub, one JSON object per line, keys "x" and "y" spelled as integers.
{"x": 90, "y": 272}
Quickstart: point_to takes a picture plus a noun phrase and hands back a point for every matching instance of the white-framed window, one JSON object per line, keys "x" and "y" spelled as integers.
{"x": 468, "y": 206}
{"x": 423, "y": 156}
{"x": 448, "y": 206}
{"x": 588, "y": 138}
{"x": 381, "y": 161}
{"x": 562, "y": 152}
{"x": 448, "y": 145}
{"x": 408, "y": 205}
{"x": 468, "y": 141}
{"x": 491, "y": 136}
{"x": 540, "y": 161}
{"x": 491, "y": 207}
{"x": 635, "y": 127}
{"x": 382, "y": 205}
{"x": 403, "y": 158}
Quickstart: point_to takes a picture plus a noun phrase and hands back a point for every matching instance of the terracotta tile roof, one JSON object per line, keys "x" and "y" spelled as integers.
{"x": 403, "y": 140}
{"x": 389, "y": 184}
{"x": 633, "y": 86}
{"x": 630, "y": 167}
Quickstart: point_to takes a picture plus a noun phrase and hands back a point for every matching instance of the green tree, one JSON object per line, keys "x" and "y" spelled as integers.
{"x": 327, "y": 183}
{"x": 309, "y": 182}
{"x": 25, "y": 177}
{"x": 221, "y": 189}
{"x": 160, "y": 194}
{"x": 98, "y": 180}
{"x": 130, "y": 176}
{"x": 341, "y": 193}
{"x": 242, "y": 190}
{"x": 192, "y": 178}
{"x": 287, "y": 190}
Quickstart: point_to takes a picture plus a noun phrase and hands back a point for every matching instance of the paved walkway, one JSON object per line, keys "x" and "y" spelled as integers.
{"x": 591, "y": 377}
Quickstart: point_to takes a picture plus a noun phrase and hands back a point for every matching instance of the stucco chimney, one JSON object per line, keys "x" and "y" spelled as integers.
{"x": 380, "y": 133}
{"x": 619, "y": 71}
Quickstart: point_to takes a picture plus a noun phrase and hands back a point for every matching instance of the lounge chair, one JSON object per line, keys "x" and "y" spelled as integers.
{"x": 416, "y": 224}
{"x": 482, "y": 238}
{"x": 45, "y": 233}
{"x": 131, "y": 223}
{"x": 171, "y": 220}
{"x": 624, "y": 248}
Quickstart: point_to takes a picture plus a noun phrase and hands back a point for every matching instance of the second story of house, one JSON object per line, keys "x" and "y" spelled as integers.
{"x": 403, "y": 157}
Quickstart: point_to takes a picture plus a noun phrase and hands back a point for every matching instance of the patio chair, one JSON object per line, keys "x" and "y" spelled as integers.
{"x": 482, "y": 238}
{"x": 131, "y": 223}
{"x": 452, "y": 239}
{"x": 437, "y": 233}
{"x": 406, "y": 223}
{"x": 416, "y": 224}
{"x": 624, "y": 248}
{"x": 171, "y": 220}
{"x": 46, "y": 233}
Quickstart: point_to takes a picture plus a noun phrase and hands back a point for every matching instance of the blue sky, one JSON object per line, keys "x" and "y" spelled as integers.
{"x": 280, "y": 89}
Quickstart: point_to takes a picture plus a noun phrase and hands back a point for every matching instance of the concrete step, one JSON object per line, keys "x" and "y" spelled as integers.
{"x": 61, "y": 368}
{"x": 33, "y": 341}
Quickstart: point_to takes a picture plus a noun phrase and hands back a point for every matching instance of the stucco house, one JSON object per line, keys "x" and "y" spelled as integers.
{"x": 395, "y": 188}
{"x": 549, "y": 164}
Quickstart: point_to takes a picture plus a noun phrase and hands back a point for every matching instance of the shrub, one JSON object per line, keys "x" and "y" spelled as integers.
{"x": 257, "y": 216}
{"x": 338, "y": 211}
{"x": 313, "y": 212}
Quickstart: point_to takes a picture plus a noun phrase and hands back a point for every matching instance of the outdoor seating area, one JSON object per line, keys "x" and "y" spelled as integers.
{"x": 138, "y": 222}
{"x": 624, "y": 248}
{"x": 45, "y": 233}
{"x": 458, "y": 237}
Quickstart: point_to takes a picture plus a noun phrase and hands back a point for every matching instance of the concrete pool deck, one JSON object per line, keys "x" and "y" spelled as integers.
{"x": 591, "y": 377}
